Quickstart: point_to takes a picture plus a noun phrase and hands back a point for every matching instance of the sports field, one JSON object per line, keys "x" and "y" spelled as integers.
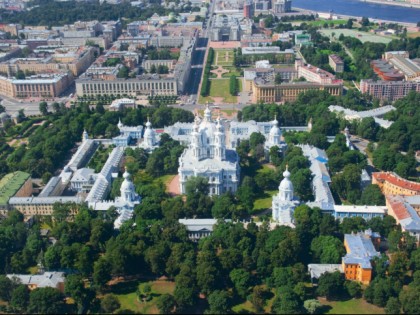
{"x": 362, "y": 36}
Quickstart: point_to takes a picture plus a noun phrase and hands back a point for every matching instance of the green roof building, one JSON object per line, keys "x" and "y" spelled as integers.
{"x": 14, "y": 184}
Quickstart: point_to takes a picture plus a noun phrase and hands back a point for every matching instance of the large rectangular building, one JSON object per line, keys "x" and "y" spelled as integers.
{"x": 269, "y": 92}
{"x": 35, "y": 86}
{"x": 388, "y": 90}
{"x": 146, "y": 85}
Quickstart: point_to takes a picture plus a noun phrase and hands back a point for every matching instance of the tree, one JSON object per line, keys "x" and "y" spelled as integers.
{"x": 218, "y": 303}
{"x": 258, "y": 298}
{"x": 330, "y": 285}
{"x": 365, "y": 21}
{"x": 46, "y": 301}
{"x": 20, "y": 298}
{"x": 224, "y": 206}
{"x": 278, "y": 79}
{"x": 101, "y": 272}
{"x": 75, "y": 287}
{"x": 372, "y": 196}
{"x": 6, "y": 287}
{"x": 43, "y": 108}
{"x": 20, "y": 75}
{"x": 410, "y": 300}
{"x": 233, "y": 85}
{"x": 165, "y": 303}
{"x": 286, "y": 302}
{"x": 123, "y": 72}
{"x": 153, "y": 69}
{"x": 197, "y": 184}
{"x": 185, "y": 292}
{"x": 327, "y": 249}
{"x": 380, "y": 290}
{"x": 312, "y": 306}
{"x": 241, "y": 280}
{"x": 393, "y": 306}
{"x": 110, "y": 303}
{"x": 255, "y": 139}
{"x": 353, "y": 289}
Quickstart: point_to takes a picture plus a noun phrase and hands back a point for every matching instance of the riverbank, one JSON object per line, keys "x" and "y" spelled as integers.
{"x": 357, "y": 8}
{"x": 399, "y": 4}
{"x": 344, "y": 16}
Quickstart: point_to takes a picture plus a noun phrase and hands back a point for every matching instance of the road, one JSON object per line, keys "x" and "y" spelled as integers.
{"x": 29, "y": 105}
{"x": 197, "y": 59}
{"x": 361, "y": 145}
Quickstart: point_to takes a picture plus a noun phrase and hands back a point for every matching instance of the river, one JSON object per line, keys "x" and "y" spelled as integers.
{"x": 360, "y": 8}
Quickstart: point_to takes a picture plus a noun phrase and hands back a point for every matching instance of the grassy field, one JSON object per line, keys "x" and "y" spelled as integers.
{"x": 414, "y": 34}
{"x": 264, "y": 202}
{"x": 127, "y": 296}
{"x": 219, "y": 88}
{"x": 362, "y": 36}
{"x": 354, "y": 306}
{"x": 166, "y": 179}
{"x": 322, "y": 22}
{"x": 247, "y": 308}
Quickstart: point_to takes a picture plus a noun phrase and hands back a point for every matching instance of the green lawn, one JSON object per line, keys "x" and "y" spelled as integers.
{"x": 247, "y": 307}
{"x": 265, "y": 201}
{"x": 232, "y": 71}
{"x": 166, "y": 179}
{"x": 128, "y": 300}
{"x": 322, "y": 22}
{"x": 219, "y": 88}
{"x": 354, "y": 306}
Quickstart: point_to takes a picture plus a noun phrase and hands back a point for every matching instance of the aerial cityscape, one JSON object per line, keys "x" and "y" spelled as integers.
{"x": 209, "y": 157}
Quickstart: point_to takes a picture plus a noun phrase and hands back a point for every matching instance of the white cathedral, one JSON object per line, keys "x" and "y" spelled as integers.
{"x": 207, "y": 156}
{"x": 284, "y": 203}
{"x": 150, "y": 141}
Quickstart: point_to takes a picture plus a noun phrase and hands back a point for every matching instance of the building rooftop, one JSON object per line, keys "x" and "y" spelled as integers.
{"x": 316, "y": 270}
{"x": 404, "y": 212}
{"x": 10, "y": 185}
{"x": 396, "y": 180}
{"x": 337, "y": 59}
{"x": 360, "y": 250}
{"x": 48, "y": 279}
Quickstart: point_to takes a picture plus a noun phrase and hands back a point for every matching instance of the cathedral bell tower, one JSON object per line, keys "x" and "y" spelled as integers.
{"x": 196, "y": 139}
{"x": 219, "y": 142}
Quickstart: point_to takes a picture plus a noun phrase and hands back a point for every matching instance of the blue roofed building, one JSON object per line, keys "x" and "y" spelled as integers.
{"x": 360, "y": 251}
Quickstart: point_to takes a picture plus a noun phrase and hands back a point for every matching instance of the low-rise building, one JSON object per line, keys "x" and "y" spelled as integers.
{"x": 122, "y": 103}
{"x": 336, "y": 63}
{"x": 198, "y": 228}
{"x": 52, "y": 279}
{"x": 376, "y": 113}
{"x": 357, "y": 262}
